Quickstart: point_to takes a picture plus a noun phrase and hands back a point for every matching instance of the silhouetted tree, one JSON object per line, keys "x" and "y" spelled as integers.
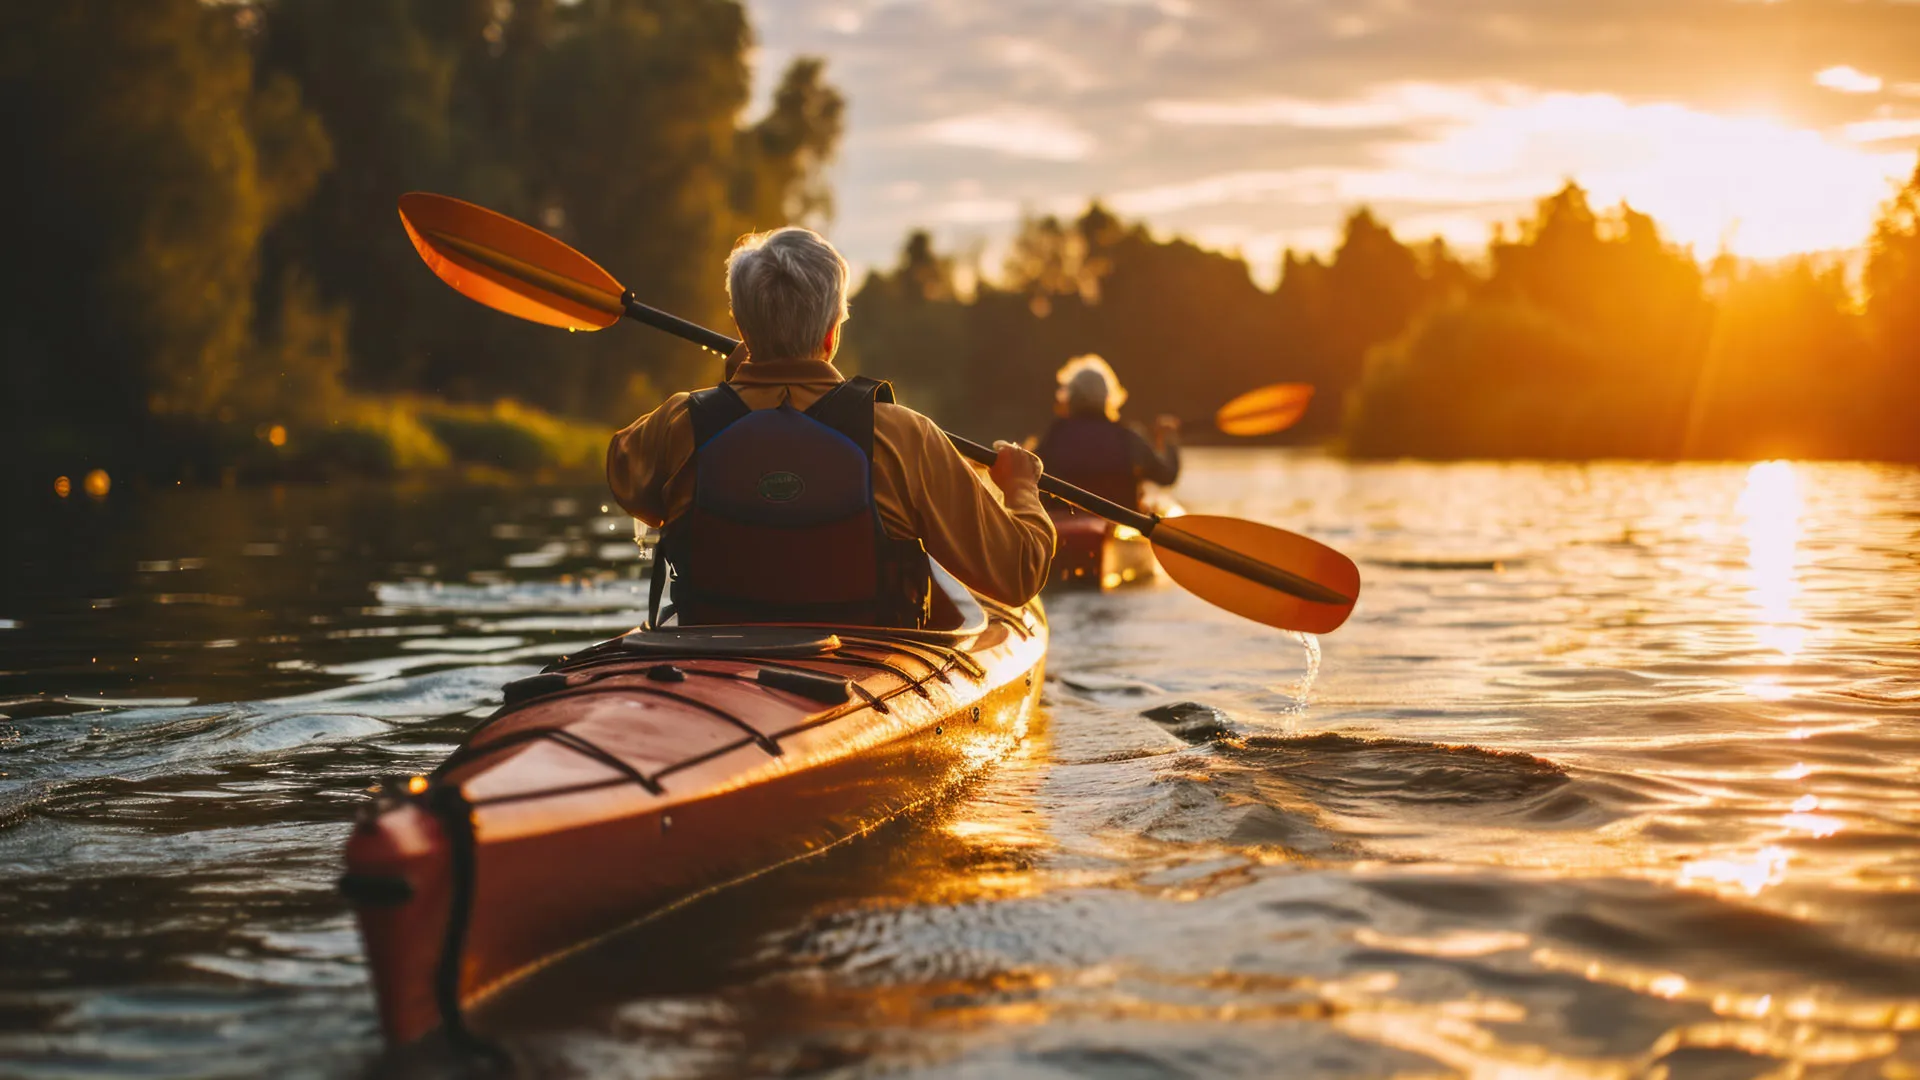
{"x": 908, "y": 325}
{"x": 1594, "y": 337}
{"x": 780, "y": 176}
{"x": 1788, "y": 371}
{"x": 614, "y": 123}
{"x": 145, "y": 162}
{"x": 1893, "y": 312}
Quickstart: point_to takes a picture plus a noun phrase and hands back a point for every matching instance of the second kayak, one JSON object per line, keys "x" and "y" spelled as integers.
{"x": 1093, "y": 553}
{"x": 646, "y": 771}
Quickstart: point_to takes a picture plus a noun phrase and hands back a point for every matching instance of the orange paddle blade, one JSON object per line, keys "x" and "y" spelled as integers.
{"x": 1284, "y": 567}
{"x": 510, "y": 266}
{"x": 1264, "y": 411}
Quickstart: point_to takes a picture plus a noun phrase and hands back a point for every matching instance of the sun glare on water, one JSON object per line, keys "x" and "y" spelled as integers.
{"x": 1770, "y": 507}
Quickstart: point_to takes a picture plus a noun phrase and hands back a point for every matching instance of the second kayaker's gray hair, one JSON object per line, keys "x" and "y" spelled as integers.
{"x": 1088, "y": 387}
{"x": 788, "y": 288}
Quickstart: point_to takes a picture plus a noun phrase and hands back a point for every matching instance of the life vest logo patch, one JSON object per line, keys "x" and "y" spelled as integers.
{"x": 781, "y": 487}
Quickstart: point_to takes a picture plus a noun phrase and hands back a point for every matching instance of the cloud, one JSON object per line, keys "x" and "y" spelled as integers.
{"x": 1760, "y": 186}
{"x": 1018, "y": 132}
{"x": 1257, "y": 121}
{"x": 1310, "y": 186}
{"x": 1884, "y": 130}
{"x": 977, "y": 212}
{"x": 1389, "y": 105}
{"x": 1848, "y": 80}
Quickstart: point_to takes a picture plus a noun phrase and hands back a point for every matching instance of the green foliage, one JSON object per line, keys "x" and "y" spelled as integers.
{"x": 153, "y": 163}
{"x": 910, "y": 327}
{"x": 1593, "y": 337}
{"x": 213, "y": 239}
{"x": 780, "y": 175}
{"x": 1789, "y": 371}
{"x": 613, "y": 123}
{"x": 1184, "y": 327}
{"x": 1612, "y": 278}
{"x": 1893, "y": 291}
{"x": 1482, "y": 379}
{"x": 406, "y": 433}
{"x": 1586, "y": 335}
{"x": 213, "y": 257}
{"x": 513, "y": 437}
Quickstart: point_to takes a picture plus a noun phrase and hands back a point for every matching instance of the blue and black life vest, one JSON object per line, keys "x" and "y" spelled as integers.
{"x": 783, "y": 526}
{"x": 1092, "y": 452}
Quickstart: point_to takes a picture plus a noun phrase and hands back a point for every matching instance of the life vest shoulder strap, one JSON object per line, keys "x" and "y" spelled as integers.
{"x": 848, "y": 409}
{"x": 712, "y": 410}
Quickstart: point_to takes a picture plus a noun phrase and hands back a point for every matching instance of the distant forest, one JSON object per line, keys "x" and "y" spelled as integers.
{"x": 1579, "y": 334}
{"x": 208, "y": 271}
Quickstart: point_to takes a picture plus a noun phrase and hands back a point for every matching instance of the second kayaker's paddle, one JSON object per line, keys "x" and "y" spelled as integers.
{"x": 1264, "y": 411}
{"x": 1256, "y": 571}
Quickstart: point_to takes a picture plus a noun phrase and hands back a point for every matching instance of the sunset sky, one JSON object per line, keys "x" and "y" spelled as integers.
{"x": 1769, "y": 127}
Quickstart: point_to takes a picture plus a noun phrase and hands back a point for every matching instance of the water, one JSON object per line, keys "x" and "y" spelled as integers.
{"x": 1615, "y": 772}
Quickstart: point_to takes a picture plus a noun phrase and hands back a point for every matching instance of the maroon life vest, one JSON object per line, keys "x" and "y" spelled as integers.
{"x": 1092, "y": 452}
{"x": 783, "y": 526}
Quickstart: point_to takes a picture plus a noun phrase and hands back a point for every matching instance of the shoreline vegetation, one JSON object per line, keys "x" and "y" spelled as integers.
{"x": 1580, "y": 333}
{"x": 214, "y": 287}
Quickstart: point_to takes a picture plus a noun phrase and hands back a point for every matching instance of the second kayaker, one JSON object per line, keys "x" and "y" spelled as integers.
{"x": 790, "y": 493}
{"x": 1089, "y": 447}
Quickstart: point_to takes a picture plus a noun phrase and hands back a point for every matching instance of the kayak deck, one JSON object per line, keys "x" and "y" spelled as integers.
{"x": 651, "y": 769}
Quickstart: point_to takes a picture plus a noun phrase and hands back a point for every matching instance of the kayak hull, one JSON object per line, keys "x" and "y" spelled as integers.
{"x": 682, "y": 763}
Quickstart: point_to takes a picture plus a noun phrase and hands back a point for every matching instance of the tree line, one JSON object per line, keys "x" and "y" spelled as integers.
{"x": 201, "y": 197}
{"x": 1581, "y": 333}
{"x": 207, "y": 266}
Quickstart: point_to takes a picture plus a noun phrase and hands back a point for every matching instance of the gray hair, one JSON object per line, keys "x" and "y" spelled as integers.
{"x": 788, "y": 288}
{"x": 1088, "y": 387}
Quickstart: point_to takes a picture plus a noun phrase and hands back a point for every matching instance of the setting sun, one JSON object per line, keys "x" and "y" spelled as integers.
{"x": 1750, "y": 183}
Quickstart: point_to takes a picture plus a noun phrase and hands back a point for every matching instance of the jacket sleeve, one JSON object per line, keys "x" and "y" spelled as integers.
{"x": 644, "y": 456}
{"x": 1001, "y": 546}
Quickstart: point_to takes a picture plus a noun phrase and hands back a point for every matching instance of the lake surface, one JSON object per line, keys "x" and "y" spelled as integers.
{"x": 1615, "y": 772}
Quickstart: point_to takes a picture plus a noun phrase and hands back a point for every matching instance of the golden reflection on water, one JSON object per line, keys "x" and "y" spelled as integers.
{"x": 1805, "y": 1029}
{"x": 1870, "y": 1017}
{"x": 1455, "y": 945}
{"x": 988, "y": 846}
{"x": 1750, "y": 875}
{"x": 1770, "y": 507}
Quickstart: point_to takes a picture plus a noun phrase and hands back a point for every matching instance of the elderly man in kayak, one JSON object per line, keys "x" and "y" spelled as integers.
{"x": 790, "y": 493}
{"x": 1089, "y": 447}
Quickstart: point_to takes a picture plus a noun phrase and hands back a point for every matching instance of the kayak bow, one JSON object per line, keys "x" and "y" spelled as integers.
{"x": 647, "y": 771}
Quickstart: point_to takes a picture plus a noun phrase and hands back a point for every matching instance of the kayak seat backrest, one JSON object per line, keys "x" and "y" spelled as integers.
{"x": 955, "y": 610}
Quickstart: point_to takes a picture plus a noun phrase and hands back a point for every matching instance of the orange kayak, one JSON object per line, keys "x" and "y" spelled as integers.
{"x": 647, "y": 771}
{"x": 1093, "y": 553}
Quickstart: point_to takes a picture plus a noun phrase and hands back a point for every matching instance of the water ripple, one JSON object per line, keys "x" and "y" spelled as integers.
{"x": 1615, "y": 772}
